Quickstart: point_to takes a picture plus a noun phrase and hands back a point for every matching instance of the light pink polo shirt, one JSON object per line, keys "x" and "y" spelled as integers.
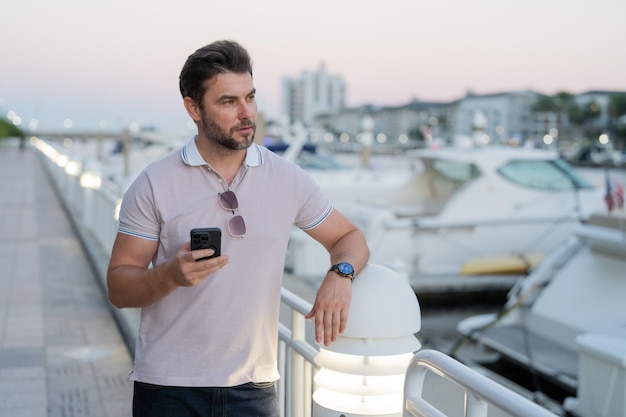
{"x": 224, "y": 331}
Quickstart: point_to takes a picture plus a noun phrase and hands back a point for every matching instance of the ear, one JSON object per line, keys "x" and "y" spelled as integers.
{"x": 192, "y": 108}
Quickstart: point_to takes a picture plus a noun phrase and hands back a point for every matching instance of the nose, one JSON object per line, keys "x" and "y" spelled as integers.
{"x": 247, "y": 110}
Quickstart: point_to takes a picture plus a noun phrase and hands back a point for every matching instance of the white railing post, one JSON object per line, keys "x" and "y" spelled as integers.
{"x": 475, "y": 406}
{"x": 282, "y": 348}
{"x": 307, "y": 389}
{"x": 297, "y": 364}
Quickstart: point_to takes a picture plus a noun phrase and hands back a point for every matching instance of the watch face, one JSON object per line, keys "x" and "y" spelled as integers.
{"x": 345, "y": 268}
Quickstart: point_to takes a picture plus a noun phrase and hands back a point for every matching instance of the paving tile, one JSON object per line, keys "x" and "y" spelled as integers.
{"x": 22, "y": 372}
{"x": 61, "y": 353}
{"x": 23, "y": 356}
{"x": 27, "y": 411}
{"x": 23, "y": 393}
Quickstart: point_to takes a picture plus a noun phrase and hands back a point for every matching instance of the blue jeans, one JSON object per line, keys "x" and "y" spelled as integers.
{"x": 247, "y": 400}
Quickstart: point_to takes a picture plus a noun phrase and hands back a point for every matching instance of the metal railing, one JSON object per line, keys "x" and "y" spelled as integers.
{"x": 479, "y": 392}
{"x": 92, "y": 211}
{"x": 296, "y": 359}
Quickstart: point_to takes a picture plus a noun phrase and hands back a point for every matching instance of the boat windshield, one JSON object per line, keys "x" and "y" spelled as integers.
{"x": 427, "y": 193}
{"x": 543, "y": 175}
{"x": 457, "y": 172}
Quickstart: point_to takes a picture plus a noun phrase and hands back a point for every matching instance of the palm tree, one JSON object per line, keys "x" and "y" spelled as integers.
{"x": 617, "y": 114}
{"x": 564, "y": 101}
{"x": 559, "y": 104}
{"x": 590, "y": 112}
{"x": 9, "y": 130}
{"x": 544, "y": 104}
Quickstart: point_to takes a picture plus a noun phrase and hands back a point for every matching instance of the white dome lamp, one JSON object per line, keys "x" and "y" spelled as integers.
{"x": 362, "y": 372}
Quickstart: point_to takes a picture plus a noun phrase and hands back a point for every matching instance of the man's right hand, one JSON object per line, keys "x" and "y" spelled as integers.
{"x": 132, "y": 283}
{"x": 188, "y": 272}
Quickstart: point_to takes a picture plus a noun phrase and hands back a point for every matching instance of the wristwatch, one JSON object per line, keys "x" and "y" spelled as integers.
{"x": 344, "y": 269}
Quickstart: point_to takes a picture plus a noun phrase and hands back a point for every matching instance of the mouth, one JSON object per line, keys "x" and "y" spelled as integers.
{"x": 245, "y": 129}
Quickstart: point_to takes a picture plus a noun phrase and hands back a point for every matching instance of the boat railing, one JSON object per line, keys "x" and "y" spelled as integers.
{"x": 429, "y": 224}
{"x": 478, "y": 391}
{"x": 92, "y": 208}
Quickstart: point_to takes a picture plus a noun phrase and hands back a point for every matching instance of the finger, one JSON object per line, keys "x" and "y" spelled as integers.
{"x": 336, "y": 326}
{"x": 202, "y": 253}
{"x": 329, "y": 327}
{"x": 319, "y": 327}
{"x": 343, "y": 320}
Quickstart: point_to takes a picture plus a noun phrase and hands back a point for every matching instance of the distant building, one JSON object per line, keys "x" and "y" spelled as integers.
{"x": 347, "y": 120}
{"x": 506, "y": 115}
{"x": 317, "y": 100}
{"x": 311, "y": 94}
{"x": 415, "y": 120}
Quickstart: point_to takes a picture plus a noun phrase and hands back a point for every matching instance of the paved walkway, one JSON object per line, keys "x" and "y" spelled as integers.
{"x": 61, "y": 353}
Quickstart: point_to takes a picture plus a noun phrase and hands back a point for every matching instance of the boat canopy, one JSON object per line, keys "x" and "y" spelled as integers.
{"x": 443, "y": 175}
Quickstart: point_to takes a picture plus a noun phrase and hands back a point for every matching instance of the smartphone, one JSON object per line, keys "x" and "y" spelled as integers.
{"x": 207, "y": 238}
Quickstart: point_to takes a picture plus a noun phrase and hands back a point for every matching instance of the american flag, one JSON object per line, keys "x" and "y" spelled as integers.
{"x": 614, "y": 194}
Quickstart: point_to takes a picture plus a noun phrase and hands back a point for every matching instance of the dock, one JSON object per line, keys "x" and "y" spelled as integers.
{"x": 61, "y": 352}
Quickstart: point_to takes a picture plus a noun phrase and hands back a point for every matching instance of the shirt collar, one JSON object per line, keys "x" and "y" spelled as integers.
{"x": 191, "y": 156}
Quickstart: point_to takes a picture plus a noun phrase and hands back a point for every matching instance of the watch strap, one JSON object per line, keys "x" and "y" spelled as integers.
{"x": 337, "y": 269}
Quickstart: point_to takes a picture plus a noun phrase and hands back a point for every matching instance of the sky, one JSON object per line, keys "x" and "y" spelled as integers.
{"x": 109, "y": 64}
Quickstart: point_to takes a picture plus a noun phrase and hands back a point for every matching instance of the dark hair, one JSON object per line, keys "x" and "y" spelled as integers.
{"x": 216, "y": 58}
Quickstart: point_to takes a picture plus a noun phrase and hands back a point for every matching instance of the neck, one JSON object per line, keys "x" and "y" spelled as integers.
{"x": 224, "y": 161}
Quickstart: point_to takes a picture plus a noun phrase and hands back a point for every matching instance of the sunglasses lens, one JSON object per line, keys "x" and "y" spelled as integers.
{"x": 229, "y": 200}
{"x": 237, "y": 227}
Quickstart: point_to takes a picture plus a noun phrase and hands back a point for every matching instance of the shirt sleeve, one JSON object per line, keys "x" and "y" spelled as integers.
{"x": 138, "y": 214}
{"x": 315, "y": 207}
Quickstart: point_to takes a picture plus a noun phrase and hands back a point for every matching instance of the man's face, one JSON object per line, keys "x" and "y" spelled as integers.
{"x": 228, "y": 111}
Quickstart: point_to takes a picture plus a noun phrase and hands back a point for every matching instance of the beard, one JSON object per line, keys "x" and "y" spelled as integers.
{"x": 214, "y": 133}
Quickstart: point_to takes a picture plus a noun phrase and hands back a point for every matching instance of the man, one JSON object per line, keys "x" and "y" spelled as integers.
{"x": 207, "y": 342}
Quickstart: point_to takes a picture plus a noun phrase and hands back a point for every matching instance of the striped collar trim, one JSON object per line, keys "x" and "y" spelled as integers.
{"x": 191, "y": 156}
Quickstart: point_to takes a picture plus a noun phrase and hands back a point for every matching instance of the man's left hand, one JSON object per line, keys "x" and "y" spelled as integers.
{"x": 331, "y": 307}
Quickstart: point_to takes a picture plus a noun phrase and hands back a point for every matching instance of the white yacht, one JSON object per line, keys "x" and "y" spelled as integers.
{"x": 562, "y": 332}
{"x": 473, "y": 218}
